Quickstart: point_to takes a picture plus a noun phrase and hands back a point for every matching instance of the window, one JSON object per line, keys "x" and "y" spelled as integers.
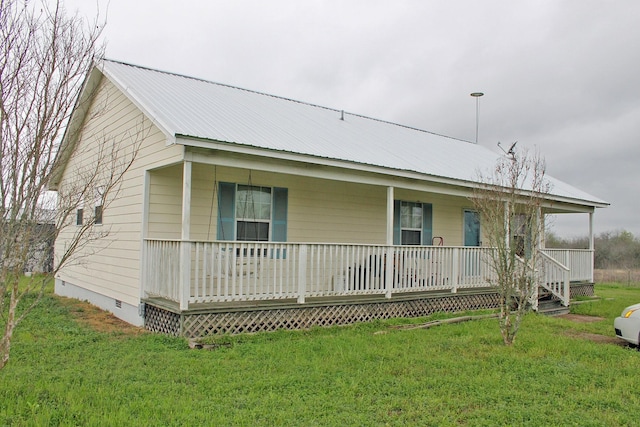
{"x": 97, "y": 210}
{"x": 252, "y": 213}
{"x": 98, "y": 214}
{"x": 79, "y": 216}
{"x": 412, "y": 223}
{"x": 520, "y": 238}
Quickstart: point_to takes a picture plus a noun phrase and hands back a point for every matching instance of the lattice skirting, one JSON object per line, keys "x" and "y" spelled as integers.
{"x": 160, "y": 320}
{"x": 193, "y": 325}
{"x": 582, "y": 290}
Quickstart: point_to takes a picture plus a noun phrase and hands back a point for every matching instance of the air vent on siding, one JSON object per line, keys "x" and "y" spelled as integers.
{"x": 118, "y": 303}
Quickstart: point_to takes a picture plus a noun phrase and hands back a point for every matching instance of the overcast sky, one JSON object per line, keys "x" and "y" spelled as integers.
{"x": 560, "y": 77}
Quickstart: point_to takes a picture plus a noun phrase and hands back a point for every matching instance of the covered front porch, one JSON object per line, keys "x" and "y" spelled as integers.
{"x": 194, "y": 263}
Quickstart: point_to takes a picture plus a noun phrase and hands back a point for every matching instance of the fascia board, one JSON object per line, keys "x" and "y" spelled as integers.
{"x": 141, "y": 105}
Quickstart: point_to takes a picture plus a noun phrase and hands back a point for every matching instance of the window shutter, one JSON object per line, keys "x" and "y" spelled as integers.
{"x": 279, "y": 215}
{"x": 226, "y": 210}
{"x": 396, "y": 223}
{"x": 427, "y": 224}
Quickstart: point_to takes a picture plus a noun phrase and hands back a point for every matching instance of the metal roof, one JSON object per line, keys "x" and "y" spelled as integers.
{"x": 186, "y": 106}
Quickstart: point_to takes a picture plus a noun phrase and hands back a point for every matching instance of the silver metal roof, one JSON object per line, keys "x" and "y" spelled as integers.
{"x": 185, "y": 106}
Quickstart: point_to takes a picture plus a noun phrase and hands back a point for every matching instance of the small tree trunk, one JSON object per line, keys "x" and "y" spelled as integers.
{"x": 5, "y": 343}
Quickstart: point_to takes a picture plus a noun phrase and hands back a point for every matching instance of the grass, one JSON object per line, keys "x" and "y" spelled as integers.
{"x": 68, "y": 372}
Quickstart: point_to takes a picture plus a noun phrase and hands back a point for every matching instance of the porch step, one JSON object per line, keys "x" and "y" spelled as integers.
{"x": 550, "y": 306}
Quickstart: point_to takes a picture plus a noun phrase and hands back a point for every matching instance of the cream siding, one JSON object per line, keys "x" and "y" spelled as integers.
{"x": 111, "y": 266}
{"x": 319, "y": 210}
{"x": 165, "y": 203}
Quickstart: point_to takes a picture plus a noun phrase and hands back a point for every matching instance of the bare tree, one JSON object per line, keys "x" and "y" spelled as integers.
{"x": 509, "y": 201}
{"x": 45, "y": 56}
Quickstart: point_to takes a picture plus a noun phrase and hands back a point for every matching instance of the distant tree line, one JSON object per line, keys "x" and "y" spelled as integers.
{"x": 613, "y": 249}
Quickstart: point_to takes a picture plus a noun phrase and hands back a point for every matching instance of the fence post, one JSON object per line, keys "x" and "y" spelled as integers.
{"x": 302, "y": 273}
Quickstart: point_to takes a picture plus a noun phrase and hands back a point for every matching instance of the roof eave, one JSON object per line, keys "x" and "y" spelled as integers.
{"x": 237, "y": 148}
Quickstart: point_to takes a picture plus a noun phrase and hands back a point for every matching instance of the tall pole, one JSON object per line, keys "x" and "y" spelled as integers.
{"x": 477, "y": 96}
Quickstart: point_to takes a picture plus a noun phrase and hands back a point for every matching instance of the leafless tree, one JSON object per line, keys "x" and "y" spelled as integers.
{"x": 45, "y": 56}
{"x": 509, "y": 201}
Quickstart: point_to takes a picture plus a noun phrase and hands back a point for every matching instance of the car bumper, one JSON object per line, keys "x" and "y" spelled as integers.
{"x": 627, "y": 328}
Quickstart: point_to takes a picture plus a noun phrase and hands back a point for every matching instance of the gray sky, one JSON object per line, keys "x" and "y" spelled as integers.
{"x": 560, "y": 77}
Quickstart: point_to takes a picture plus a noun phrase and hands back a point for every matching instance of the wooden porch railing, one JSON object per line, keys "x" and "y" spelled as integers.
{"x": 239, "y": 271}
{"x": 554, "y": 276}
{"x": 246, "y": 271}
{"x": 578, "y": 261}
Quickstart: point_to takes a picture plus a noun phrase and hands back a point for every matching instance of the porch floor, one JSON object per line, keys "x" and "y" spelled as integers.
{"x": 291, "y": 303}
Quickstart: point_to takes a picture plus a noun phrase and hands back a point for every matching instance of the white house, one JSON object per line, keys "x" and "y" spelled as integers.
{"x": 246, "y": 211}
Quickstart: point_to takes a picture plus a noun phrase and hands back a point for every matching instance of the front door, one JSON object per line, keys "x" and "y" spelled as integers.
{"x": 471, "y": 259}
{"x": 471, "y": 228}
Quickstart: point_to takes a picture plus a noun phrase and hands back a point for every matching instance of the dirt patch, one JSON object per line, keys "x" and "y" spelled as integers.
{"x": 602, "y": 339}
{"x": 580, "y": 318}
{"x": 597, "y": 338}
{"x": 98, "y": 319}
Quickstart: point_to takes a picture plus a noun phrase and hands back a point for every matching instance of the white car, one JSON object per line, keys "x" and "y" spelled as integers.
{"x": 627, "y": 326}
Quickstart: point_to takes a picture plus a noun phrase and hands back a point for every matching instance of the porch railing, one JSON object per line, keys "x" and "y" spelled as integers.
{"x": 554, "y": 276}
{"x": 239, "y": 271}
{"x": 246, "y": 271}
{"x": 578, "y": 261}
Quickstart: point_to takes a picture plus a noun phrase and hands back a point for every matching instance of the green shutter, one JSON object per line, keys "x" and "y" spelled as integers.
{"x": 427, "y": 223}
{"x": 397, "y": 236}
{"x": 279, "y": 214}
{"x": 226, "y": 211}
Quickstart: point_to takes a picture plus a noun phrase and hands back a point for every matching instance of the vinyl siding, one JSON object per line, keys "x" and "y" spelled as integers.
{"x": 319, "y": 210}
{"x": 111, "y": 265}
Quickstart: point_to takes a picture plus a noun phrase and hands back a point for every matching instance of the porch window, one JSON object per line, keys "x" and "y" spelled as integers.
{"x": 520, "y": 236}
{"x": 252, "y": 213}
{"x": 412, "y": 223}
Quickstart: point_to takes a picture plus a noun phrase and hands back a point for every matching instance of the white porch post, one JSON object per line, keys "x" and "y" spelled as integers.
{"x": 591, "y": 244}
{"x": 302, "y": 273}
{"x": 185, "y": 245}
{"x": 388, "y": 271}
{"x": 540, "y": 230}
{"x": 539, "y": 245}
{"x": 144, "y": 261}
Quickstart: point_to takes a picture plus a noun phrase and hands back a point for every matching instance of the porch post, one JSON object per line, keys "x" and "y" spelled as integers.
{"x": 591, "y": 244}
{"x": 388, "y": 269}
{"x": 389, "y": 216}
{"x": 302, "y": 273}
{"x": 540, "y": 230}
{"x": 185, "y": 245}
{"x": 144, "y": 261}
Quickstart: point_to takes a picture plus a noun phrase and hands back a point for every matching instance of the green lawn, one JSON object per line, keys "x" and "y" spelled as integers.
{"x": 63, "y": 372}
